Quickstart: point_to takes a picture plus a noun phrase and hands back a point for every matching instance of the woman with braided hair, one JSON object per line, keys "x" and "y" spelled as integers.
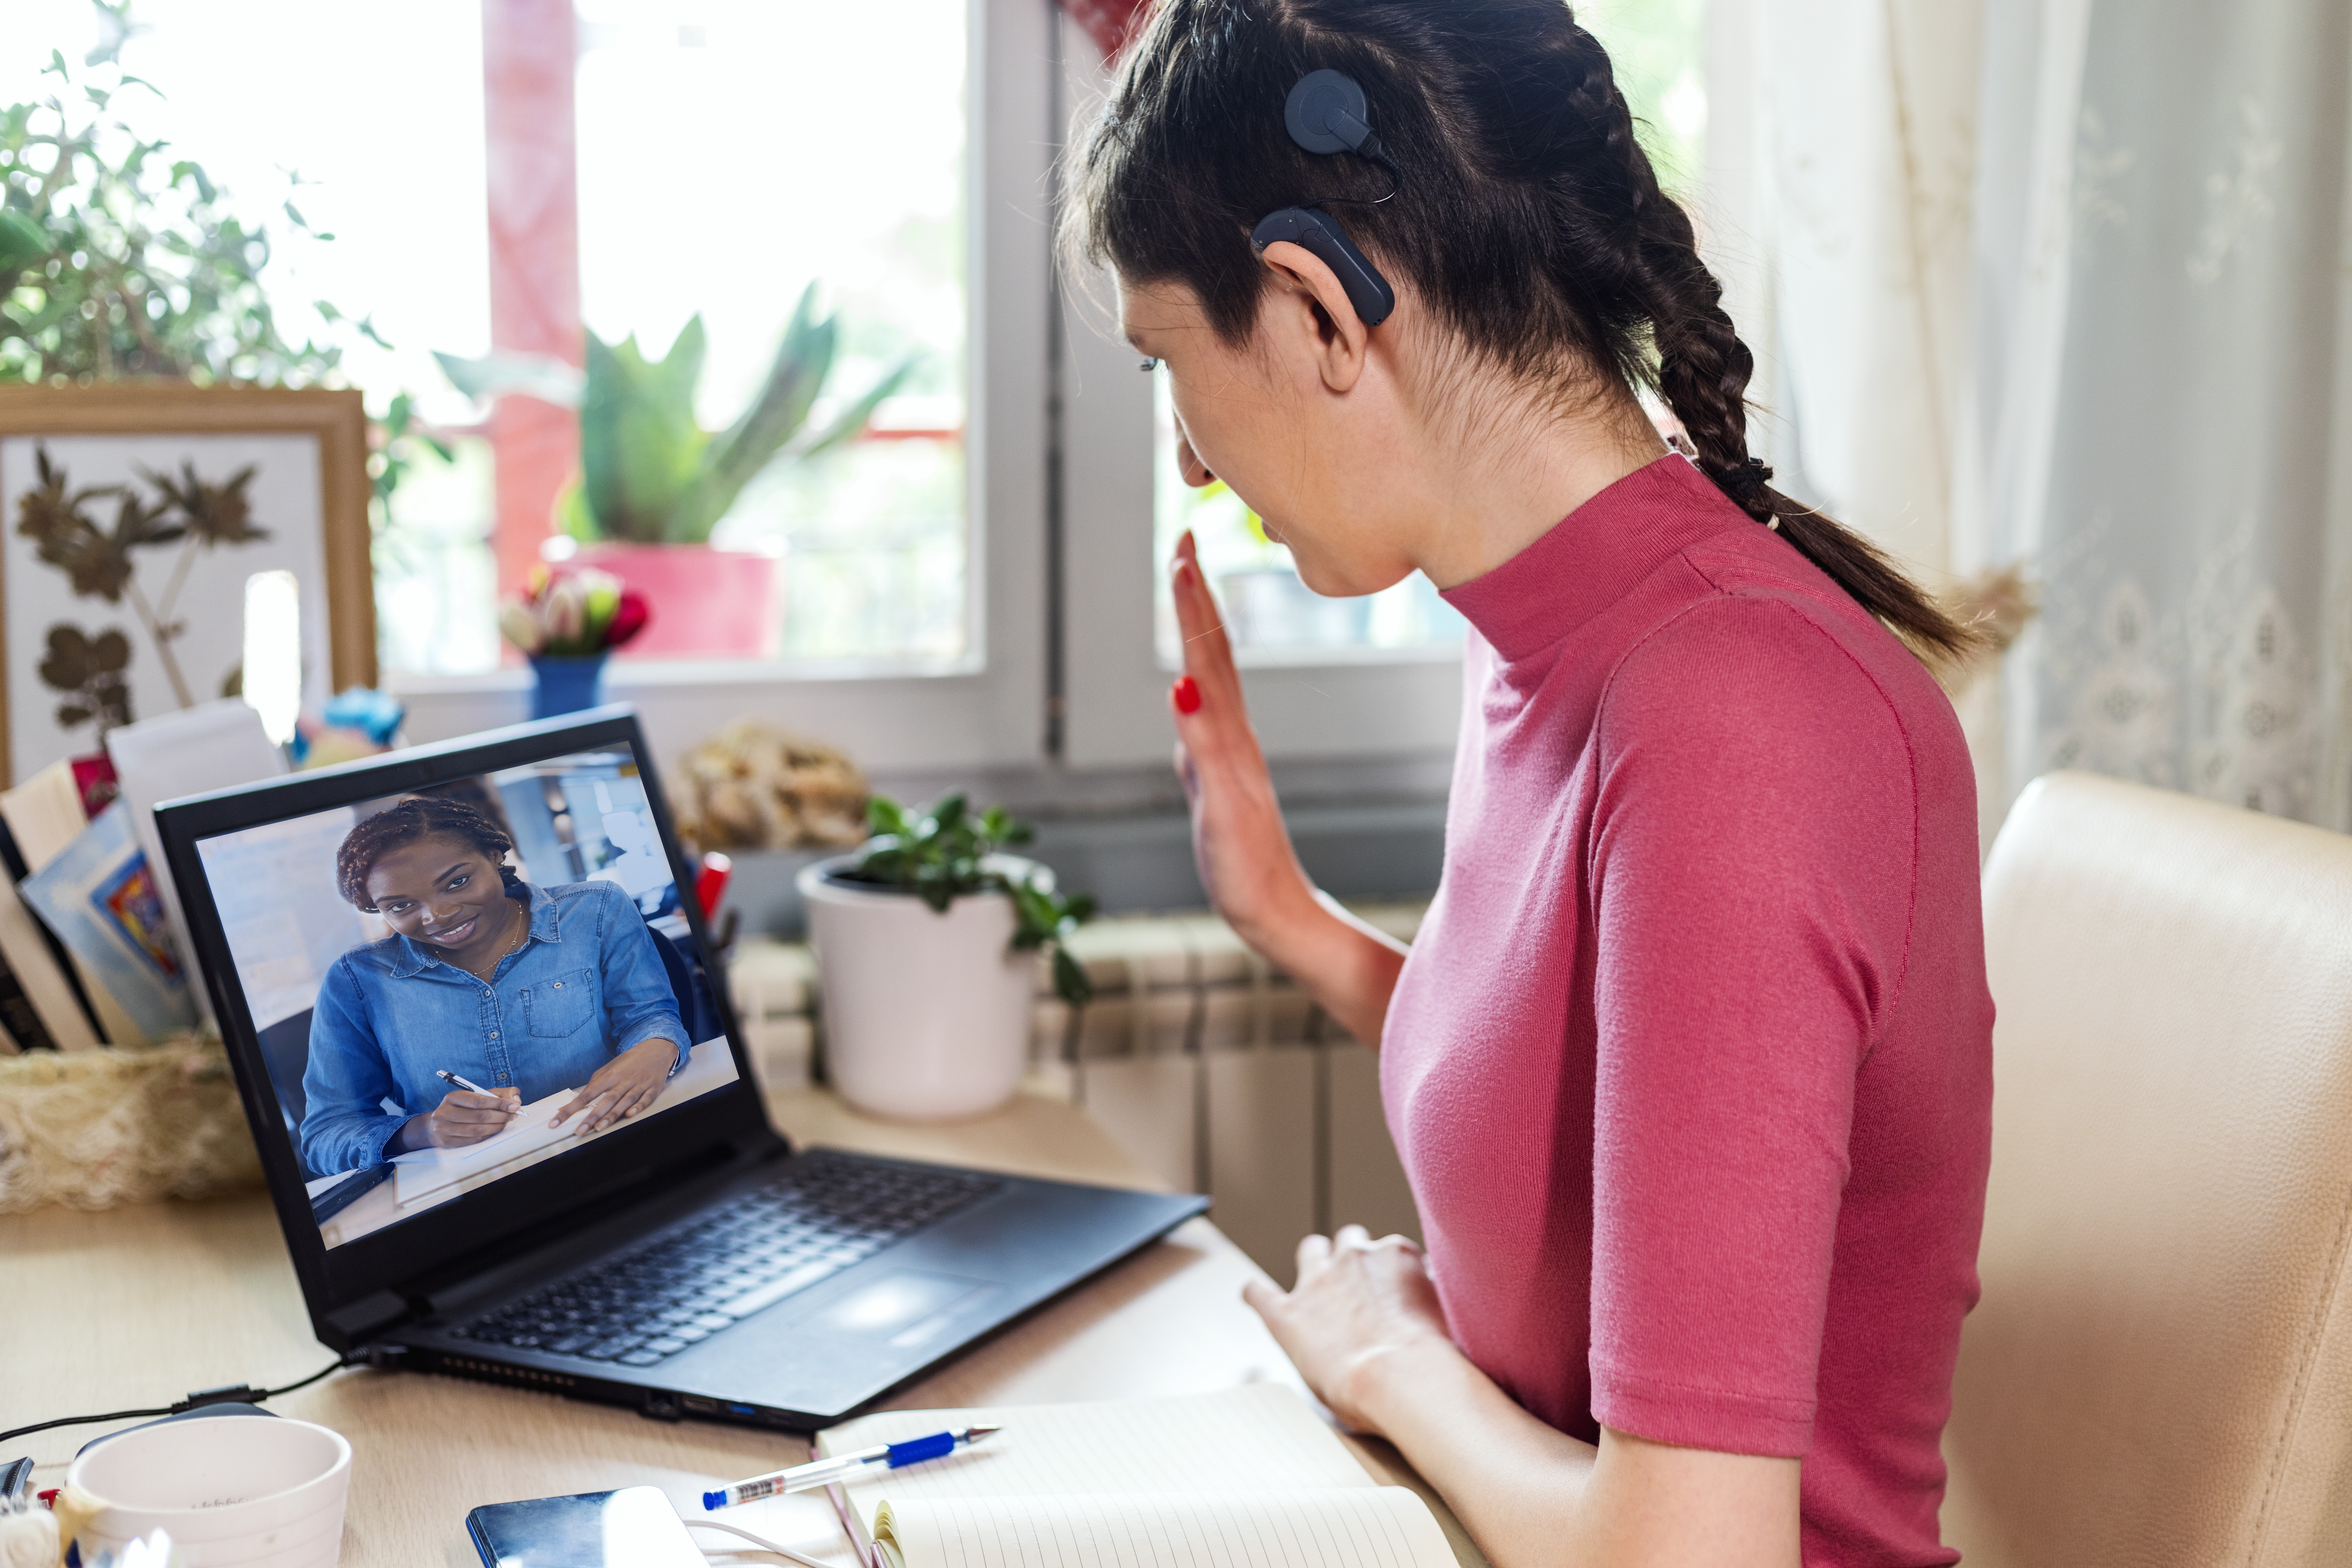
{"x": 524, "y": 992}
{"x": 1690, "y": 1063}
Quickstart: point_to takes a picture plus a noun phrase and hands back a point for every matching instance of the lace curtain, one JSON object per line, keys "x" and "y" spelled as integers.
{"x": 2066, "y": 284}
{"x": 2161, "y": 419}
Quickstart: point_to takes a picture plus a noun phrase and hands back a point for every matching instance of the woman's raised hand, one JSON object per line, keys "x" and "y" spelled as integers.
{"x": 463, "y": 1117}
{"x": 1238, "y": 841}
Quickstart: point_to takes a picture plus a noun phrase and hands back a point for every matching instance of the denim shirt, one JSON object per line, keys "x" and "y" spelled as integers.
{"x": 585, "y": 985}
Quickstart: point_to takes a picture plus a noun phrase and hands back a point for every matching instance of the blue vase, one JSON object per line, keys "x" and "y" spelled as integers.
{"x": 567, "y": 685}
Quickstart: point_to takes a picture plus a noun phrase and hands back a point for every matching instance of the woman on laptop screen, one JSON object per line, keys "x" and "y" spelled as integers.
{"x": 520, "y": 990}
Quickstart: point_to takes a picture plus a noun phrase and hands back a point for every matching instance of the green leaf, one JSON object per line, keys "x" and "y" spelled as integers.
{"x": 1070, "y": 982}
{"x": 639, "y": 445}
{"x": 22, "y": 244}
{"x": 796, "y": 376}
{"x": 885, "y": 814}
{"x": 1033, "y": 917}
{"x": 853, "y": 421}
{"x": 498, "y": 372}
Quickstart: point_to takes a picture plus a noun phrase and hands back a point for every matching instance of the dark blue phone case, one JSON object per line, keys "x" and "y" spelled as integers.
{"x": 633, "y": 1528}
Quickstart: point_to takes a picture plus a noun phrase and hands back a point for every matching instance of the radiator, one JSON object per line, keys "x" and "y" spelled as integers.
{"x": 1209, "y": 1070}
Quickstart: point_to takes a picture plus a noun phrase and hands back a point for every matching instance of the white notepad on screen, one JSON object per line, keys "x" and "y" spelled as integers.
{"x": 421, "y": 1173}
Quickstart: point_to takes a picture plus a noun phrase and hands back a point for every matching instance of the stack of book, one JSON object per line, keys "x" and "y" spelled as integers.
{"x": 86, "y": 954}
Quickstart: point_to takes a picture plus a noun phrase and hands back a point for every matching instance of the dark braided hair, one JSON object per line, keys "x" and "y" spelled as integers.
{"x": 419, "y": 817}
{"x": 1529, "y": 219}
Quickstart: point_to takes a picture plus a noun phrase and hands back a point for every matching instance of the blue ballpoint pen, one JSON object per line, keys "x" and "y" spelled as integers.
{"x": 841, "y": 1467}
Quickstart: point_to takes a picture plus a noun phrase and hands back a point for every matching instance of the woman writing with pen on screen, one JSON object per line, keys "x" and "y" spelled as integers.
{"x": 1689, "y": 1064}
{"x": 522, "y": 991}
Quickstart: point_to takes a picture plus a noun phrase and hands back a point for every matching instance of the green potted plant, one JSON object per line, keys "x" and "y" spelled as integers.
{"x": 654, "y": 483}
{"x": 927, "y": 940}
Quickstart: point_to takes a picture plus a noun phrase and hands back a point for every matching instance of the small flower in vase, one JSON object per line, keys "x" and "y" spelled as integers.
{"x": 573, "y": 614}
{"x": 567, "y": 622}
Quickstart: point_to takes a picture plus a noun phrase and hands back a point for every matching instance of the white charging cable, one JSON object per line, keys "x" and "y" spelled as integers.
{"x": 762, "y": 1541}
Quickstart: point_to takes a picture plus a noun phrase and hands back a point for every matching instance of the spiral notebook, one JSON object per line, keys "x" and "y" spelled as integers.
{"x": 1244, "y": 1477}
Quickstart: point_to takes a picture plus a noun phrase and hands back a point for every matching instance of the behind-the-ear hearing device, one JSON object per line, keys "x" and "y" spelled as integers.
{"x": 1329, "y": 243}
{"x": 1325, "y": 113}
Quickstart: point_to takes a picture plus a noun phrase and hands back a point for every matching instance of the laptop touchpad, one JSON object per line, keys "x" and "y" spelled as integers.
{"x": 893, "y": 1302}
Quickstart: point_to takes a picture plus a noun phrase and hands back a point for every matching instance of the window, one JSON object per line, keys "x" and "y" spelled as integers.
{"x": 732, "y": 152}
{"x": 726, "y": 151}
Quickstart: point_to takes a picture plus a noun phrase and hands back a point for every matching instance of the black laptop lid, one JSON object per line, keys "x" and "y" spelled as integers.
{"x": 341, "y": 1018}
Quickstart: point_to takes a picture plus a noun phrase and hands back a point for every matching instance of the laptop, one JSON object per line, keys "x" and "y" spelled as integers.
{"x": 683, "y": 1260}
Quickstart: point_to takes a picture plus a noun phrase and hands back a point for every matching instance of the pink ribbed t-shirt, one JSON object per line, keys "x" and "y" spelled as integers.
{"x": 1691, "y": 1063}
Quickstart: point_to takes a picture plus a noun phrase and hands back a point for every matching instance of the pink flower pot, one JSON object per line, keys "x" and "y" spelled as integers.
{"x": 706, "y": 602}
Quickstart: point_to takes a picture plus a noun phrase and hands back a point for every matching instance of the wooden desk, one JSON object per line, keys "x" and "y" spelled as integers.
{"x": 135, "y": 1307}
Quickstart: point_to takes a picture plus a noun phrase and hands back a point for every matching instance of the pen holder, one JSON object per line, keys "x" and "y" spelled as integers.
{"x": 91, "y": 1129}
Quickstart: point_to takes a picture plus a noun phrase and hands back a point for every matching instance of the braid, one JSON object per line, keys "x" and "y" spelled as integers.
{"x": 1703, "y": 370}
{"x": 419, "y": 817}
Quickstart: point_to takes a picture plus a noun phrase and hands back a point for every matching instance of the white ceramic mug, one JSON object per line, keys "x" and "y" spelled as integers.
{"x": 231, "y": 1491}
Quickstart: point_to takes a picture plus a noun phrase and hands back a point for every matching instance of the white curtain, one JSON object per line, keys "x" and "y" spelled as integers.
{"x": 2160, "y": 421}
{"x": 1841, "y": 152}
{"x": 2067, "y": 283}
{"x": 1841, "y": 162}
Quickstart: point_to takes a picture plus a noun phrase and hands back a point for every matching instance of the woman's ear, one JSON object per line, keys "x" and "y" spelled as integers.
{"x": 1311, "y": 313}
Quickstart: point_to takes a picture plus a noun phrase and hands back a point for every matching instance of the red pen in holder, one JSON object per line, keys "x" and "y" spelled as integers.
{"x": 710, "y": 884}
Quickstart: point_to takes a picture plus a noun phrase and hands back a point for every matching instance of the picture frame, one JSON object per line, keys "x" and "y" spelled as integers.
{"x": 278, "y": 478}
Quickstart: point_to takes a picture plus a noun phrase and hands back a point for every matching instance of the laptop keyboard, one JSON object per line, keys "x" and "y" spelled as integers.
{"x": 818, "y": 1216}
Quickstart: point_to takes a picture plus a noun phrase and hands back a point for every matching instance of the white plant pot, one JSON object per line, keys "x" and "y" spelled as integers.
{"x": 926, "y": 1014}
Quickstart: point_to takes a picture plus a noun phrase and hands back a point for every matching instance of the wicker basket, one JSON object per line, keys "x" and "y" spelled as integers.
{"x": 91, "y": 1129}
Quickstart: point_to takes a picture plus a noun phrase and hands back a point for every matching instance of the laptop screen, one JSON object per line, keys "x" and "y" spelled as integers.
{"x": 455, "y": 984}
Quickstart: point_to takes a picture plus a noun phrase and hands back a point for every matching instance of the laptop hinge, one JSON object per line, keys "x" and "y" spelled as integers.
{"x": 369, "y": 1316}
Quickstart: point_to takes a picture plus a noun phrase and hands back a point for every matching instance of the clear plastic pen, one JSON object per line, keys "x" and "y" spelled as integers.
{"x": 841, "y": 1467}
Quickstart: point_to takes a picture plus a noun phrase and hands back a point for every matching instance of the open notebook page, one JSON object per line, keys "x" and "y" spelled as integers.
{"x": 1258, "y": 1438}
{"x": 421, "y": 1171}
{"x": 1377, "y": 1527}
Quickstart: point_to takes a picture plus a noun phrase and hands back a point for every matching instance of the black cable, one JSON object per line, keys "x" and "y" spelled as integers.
{"x": 239, "y": 1394}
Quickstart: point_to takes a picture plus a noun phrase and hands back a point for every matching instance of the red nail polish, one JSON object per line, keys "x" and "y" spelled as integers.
{"x": 1187, "y": 692}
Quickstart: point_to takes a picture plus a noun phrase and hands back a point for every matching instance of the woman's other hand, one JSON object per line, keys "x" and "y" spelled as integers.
{"x": 620, "y": 1087}
{"x": 1238, "y": 841}
{"x": 463, "y": 1117}
{"x": 1364, "y": 1329}
{"x": 1358, "y": 1304}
